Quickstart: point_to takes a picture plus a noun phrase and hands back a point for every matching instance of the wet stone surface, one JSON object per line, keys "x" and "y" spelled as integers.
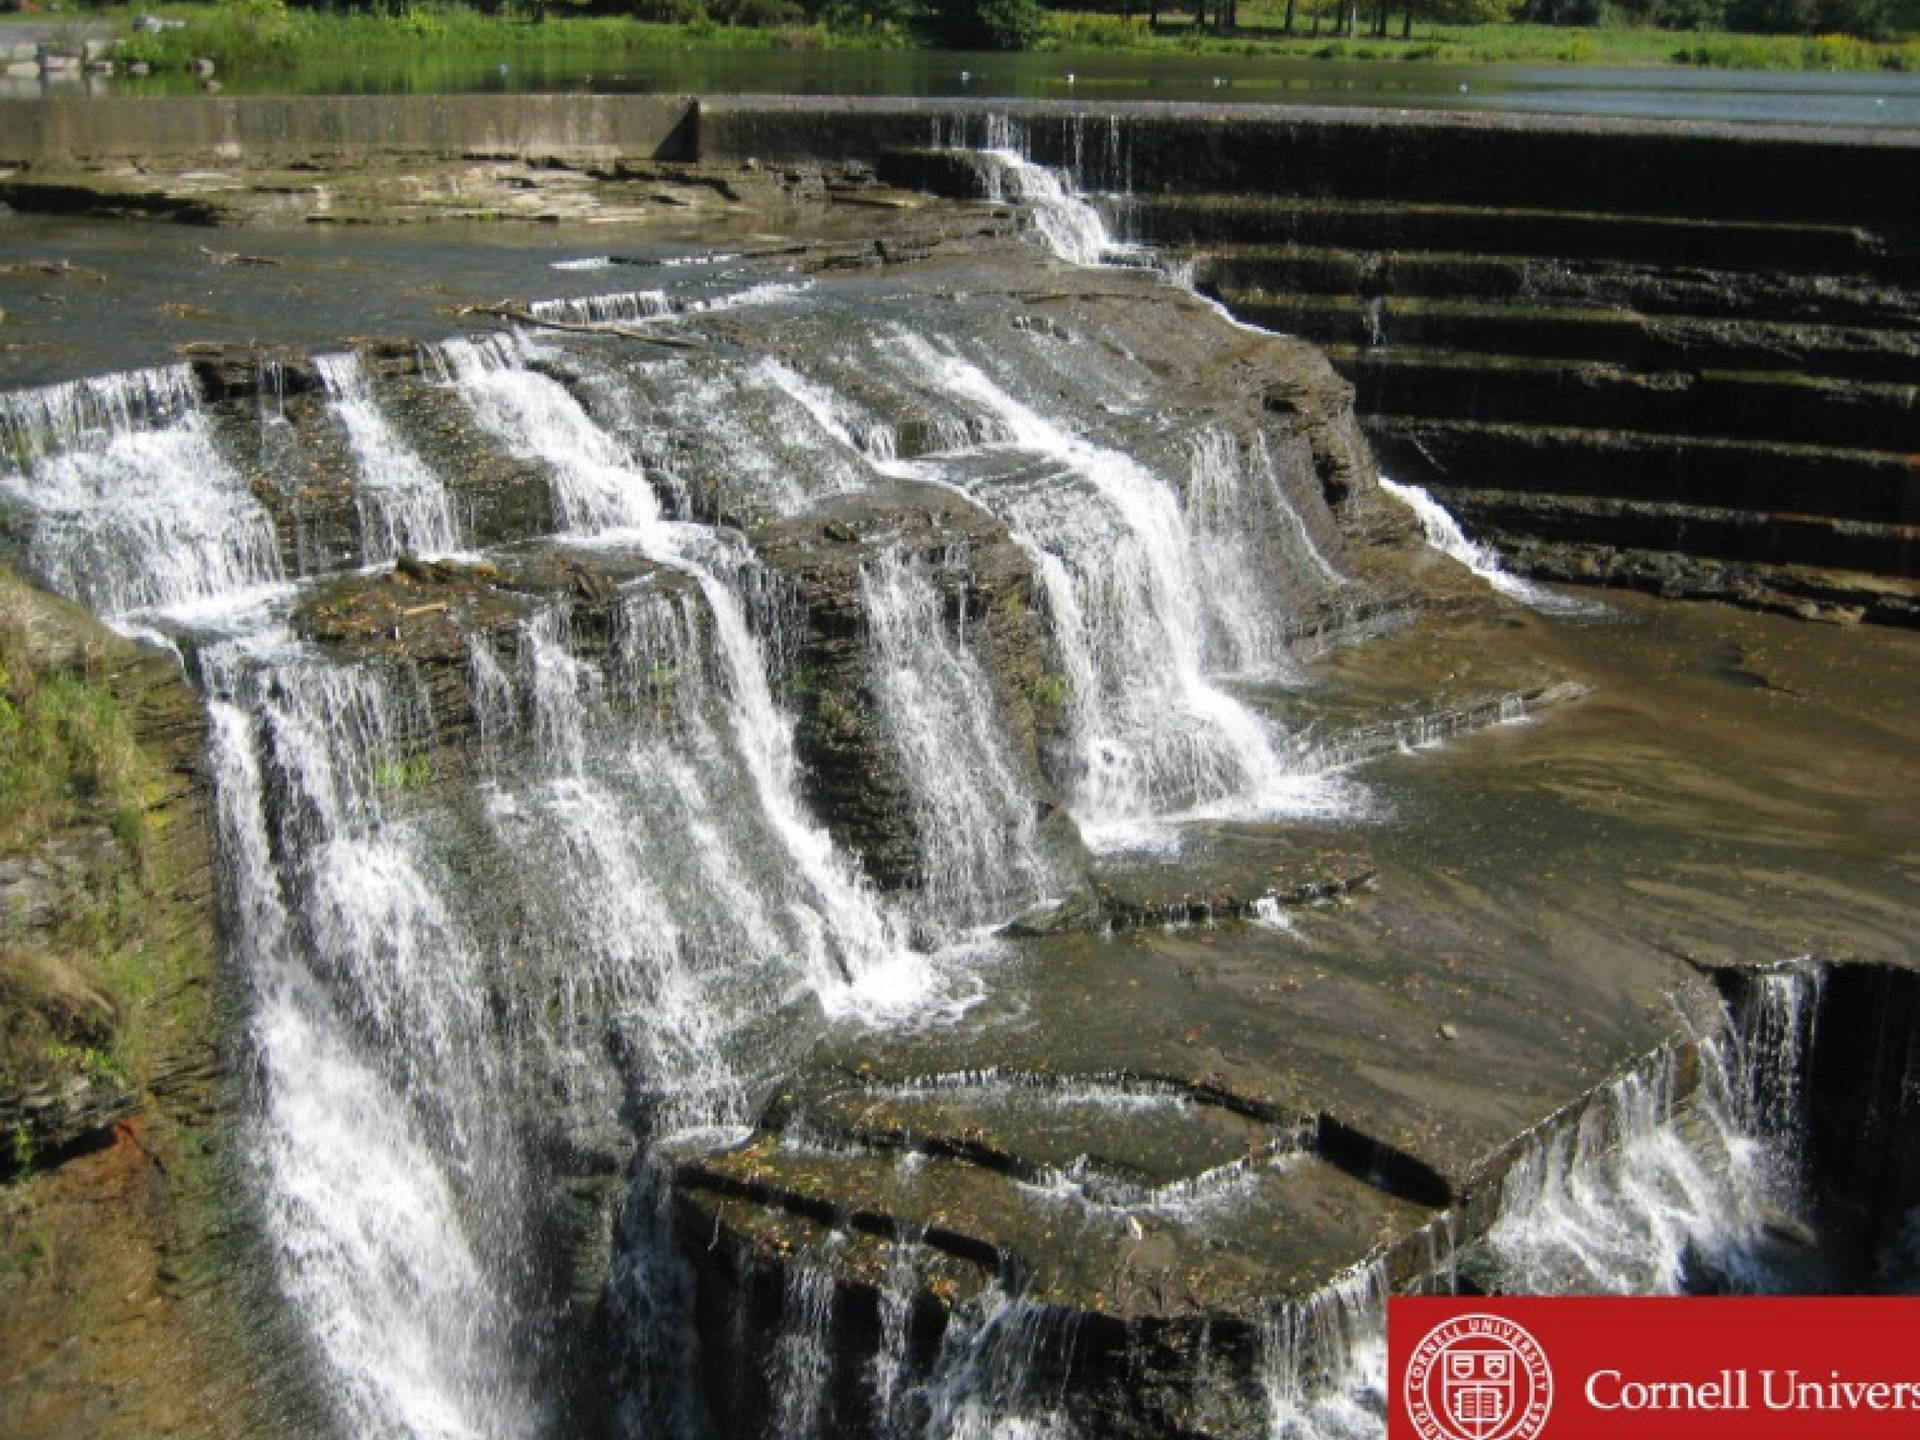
{"x": 1213, "y": 1066}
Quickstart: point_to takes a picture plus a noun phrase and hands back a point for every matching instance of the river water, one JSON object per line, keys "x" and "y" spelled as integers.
{"x": 587, "y": 919}
{"x": 1871, "y": 99}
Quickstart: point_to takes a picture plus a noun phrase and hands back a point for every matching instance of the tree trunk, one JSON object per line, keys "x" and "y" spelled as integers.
{"x": 1288, "y": 27}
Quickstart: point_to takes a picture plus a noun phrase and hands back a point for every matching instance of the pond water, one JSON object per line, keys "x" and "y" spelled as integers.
{"x": 1807, "y": 98}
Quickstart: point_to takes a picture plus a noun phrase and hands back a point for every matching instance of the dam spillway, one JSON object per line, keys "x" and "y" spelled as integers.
{"x": 1675, "y": 357}
{"x": 845, "y": 836}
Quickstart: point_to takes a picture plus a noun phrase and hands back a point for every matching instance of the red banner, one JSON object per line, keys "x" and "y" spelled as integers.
{"x": 1832, "y": 1368}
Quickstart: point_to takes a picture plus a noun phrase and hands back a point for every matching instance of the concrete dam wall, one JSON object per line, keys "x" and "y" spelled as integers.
{"x": 1679, "y": 357}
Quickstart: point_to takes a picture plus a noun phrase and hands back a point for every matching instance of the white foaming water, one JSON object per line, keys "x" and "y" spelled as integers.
{"x": 1443, "y": 532}
{"x": 974, "y": 815}
{"x": 1121, "y": 566}
{"x": 1251, "y": 549}
{"x": 633, "y": 306}
{"x": 803, "y": 1354}
{"x": 378, "y": 1257}
{"x": 1324, "y": 1361}
{"x": 133, "y": 506}
{"x": 1361, "y": 743}
{"x": 624, "y": 308}
{"x": 1096, "y": 1194}
{"x": 596, "y": 486}
{"x": 744, "y": 427}
{"x": 890, "y": 1373}
{"x": 47, "y": 418}
{"x": 839, "y": 418}
{"x": 403, "y": 504}
{"x": 661, "y": 908}
{"x": 1155, "y": 737}
{"x": 858, "y": 953}
{"x": 984, "y": 1384}
{"x": 857, "y": 941}
{"x": 1646, "y": 1195}
{"x": 1072, "y": 229}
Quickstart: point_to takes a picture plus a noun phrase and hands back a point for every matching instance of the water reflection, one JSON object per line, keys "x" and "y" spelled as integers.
{"x": 1880, "y": 100}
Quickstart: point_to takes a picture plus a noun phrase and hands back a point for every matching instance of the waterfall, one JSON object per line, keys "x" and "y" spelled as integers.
{"x": 403, "y": 505}
{"x": 984, "y": 1384}
{"x": 636, "y": 306}
{"x": 1324, "y": 1360}
{"x": 974, "y": 815}
{"x": 1645, "y": 1195}
{"x": 39, "y": 421}
{"x": 539, "y": 902}
{"x": 1250, "y": 547}
{"x": 803, "y": 1355}
{"x": 1444, "y": 534}
{"x": 366, "y": 1032}
{"x": 1154, "y": 735}
{"x": 1070, "y": 227}
{"x": 133, "y": 506}
{"x": 1149, "y": 594}
{"x": 857, "y": 951}
{"x": 596, "y": 486}
{"x": 620, "y": 309}
{"x": 890, "y": 1373}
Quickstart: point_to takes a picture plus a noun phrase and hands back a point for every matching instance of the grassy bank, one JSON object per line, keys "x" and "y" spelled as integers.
{"x": 1261, "y": 33}
{"x": 119, "y": 1244}
{"x": 263, "y": 38}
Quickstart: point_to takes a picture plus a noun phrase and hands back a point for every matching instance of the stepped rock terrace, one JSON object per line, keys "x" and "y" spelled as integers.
{"x": 880, "y": 833}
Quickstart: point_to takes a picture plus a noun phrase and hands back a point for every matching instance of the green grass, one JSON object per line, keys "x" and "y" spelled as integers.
{"x": 1260, "y": 34}
{"x": 266, "y": 39}
{"x": 63, "y": 745}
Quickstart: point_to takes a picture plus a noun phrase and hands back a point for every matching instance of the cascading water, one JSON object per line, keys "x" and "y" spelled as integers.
{"x": 1116, "y": 557}
{"x": 984, "y": 1384}
{"x": 133, "y": 506}
{"x": 599, "y": 490}
{"x": 634, "y": 904}
{"x": 974, "y": 813}
{"x": 1645, "y": 1195}
{"x": 555, "y": 909}
{"x": 363, "y": 1053}
{"x": 1324, "y": 1361}
{"x": 1248, "y": 540}
{"x": 1443, "y": 532}
{"x": 404, "y": 506}
{"x": 803, "y": 1355}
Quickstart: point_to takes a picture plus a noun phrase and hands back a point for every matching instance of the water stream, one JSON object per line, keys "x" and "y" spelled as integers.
{"x": 587, "y": 913}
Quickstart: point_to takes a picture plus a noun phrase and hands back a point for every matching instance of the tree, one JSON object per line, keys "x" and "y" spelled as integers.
{"x": 986, "y": 24}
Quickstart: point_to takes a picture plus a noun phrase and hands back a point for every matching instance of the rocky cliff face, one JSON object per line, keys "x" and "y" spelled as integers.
{"x": 126, "y": 1267}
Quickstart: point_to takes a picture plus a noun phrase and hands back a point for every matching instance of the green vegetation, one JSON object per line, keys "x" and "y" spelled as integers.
{"x": 1052, "y": 691}
{"x": 406, "y": 772}
{"x": 73, "y": 789}
{"x": 1261, "y": 34}
{"x": 270, "y": 38}
{"x": 63, "y": 744}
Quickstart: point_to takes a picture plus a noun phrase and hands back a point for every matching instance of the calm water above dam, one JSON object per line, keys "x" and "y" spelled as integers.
{"x": 1771, "y": 97}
